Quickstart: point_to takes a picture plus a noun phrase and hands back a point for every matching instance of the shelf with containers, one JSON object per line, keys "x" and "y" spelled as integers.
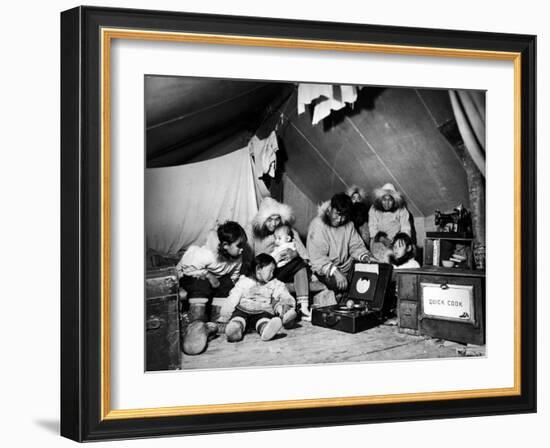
{"x": 449, "y": 249}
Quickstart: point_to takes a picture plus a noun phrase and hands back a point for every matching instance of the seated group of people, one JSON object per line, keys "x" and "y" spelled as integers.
{"x": 251, "y": 267}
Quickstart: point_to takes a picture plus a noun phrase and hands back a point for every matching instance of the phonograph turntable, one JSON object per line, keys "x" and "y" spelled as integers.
{"x": 362, "y": 307}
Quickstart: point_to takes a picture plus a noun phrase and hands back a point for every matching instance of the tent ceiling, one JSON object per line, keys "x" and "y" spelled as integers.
{"x": 389, "y": 135}
{"x": 188, "y": 116}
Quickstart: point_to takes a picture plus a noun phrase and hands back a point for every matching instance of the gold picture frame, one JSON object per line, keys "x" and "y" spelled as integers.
{"x": 91, "y": 393}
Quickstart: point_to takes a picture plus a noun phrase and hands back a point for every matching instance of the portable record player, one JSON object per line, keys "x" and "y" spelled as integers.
{"x": 362, "y": 307}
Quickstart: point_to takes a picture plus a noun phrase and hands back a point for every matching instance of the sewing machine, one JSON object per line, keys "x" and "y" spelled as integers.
{"x": 458, "y": 221}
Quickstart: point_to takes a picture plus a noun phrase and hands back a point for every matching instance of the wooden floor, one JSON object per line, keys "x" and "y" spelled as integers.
{"x": 308, "y": 344}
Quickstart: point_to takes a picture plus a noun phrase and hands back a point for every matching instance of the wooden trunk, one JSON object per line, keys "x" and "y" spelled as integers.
{"x": 161, "y": 282}
{"x": 162, "y": 328}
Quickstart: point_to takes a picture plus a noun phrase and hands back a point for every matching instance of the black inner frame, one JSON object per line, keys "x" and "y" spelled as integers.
{"x": 81, "y": 223}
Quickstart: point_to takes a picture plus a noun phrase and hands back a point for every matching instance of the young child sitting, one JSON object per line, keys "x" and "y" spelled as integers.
{"x": 290, "y": 270}
{"x": 260, "y": 302}
{"x": 211, "y": 270}
{"x": 403, "y": 252}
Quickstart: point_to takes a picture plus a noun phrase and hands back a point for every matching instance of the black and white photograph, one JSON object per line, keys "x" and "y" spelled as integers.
{"x": 275, "y": 224}
{"x": 296, "y": 223}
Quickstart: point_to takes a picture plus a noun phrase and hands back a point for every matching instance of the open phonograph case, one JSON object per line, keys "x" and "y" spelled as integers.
{"x": 368, "y": 288}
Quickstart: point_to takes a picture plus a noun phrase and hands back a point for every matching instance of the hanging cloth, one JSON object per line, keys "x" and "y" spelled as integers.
{"x": 469, "y": 110}
{"x": 183, "y": 203}
{"x": 264, "y": 153}
{"x": 327, "y": 98}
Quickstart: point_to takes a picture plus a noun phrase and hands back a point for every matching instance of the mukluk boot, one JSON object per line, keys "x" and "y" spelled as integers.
{"x": 234, "y": 330}
{"x": 288, "y": 317}
{"x": 268, "y": 328}
{"x": 215, "y": 309}
{"x": 197, "y": 309}
{"x": 196, "y": 336}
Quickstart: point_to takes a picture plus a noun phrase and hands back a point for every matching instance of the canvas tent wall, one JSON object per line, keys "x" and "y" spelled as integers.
{"x": 397, "y": 135}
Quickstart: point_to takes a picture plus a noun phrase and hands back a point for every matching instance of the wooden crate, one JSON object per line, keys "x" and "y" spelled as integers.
{"x": 442, "y": 303}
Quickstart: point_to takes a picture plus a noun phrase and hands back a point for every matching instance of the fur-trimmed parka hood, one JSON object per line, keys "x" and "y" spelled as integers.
{"x": 322, "y": 212}
{"x": 355, "y": 189}
{"x": 388, "y": 189}
{"x": 269, "y": 207}
{"x": 322, "y": 208}
{"x": 212, "y": 242}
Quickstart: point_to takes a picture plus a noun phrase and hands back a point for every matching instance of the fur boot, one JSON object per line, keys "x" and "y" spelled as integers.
{"x": 289, "y": 318}
{"x": 196, "y": 336}
{"x": 234, "y": 330}
{"x": 268, "y": 328}
{"x": 197, "y": 309}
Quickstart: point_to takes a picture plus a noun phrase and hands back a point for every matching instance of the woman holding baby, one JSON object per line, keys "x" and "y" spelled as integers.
{"x": 271, "y": 232}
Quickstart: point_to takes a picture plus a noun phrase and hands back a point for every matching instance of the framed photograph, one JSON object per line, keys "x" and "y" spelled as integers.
{"x": 277, "y": 224}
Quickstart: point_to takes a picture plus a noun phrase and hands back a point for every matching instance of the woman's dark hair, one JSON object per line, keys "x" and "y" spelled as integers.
{"x": 261, "y": 232}
{"x": 261, "y": 261}
{"x": 402, "y": 236}
{"x": 228, "y": 233}
{"x": 341, "y": 202}
{"x": 409, "y": 255}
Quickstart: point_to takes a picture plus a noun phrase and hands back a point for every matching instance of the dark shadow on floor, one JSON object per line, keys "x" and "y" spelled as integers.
{"x": 279, "y": 336}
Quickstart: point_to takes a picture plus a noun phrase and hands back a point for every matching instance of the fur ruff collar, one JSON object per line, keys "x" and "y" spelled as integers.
{"x": 355, "y": 189}
{"x": 388, "y": 189}
{"x": 269, "y": 207}
{"x": 322, "y": 212}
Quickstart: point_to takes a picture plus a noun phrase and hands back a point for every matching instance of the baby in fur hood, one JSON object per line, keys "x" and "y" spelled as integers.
{"x": 357, "y": 194}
